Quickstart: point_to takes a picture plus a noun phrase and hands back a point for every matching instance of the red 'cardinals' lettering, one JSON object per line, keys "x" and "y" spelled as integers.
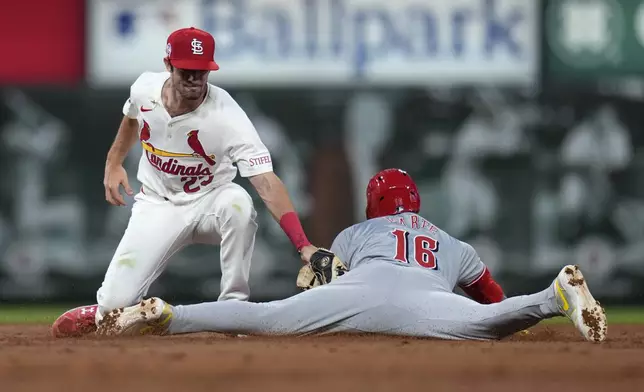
{"x": 172, "y": 166}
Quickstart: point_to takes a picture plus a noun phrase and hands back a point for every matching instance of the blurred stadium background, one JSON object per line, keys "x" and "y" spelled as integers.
{"x": 521, "y": 120}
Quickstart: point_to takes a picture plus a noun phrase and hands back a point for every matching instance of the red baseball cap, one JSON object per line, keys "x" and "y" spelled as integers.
{"x": 191, "y": 48}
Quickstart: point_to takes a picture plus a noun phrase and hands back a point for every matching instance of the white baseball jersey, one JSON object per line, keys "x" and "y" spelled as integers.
{"x": 187, "y": 155}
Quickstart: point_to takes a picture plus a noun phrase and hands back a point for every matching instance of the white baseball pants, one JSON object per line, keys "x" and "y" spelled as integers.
{"x": 158, "y": 229}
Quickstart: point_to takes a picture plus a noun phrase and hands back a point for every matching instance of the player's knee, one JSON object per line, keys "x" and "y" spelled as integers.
{"x": 238, "y": 211}
{"x": 109, "y": 299}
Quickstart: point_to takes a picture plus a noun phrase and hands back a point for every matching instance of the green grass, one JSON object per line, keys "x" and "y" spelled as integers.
{"x": 30, "y": 314}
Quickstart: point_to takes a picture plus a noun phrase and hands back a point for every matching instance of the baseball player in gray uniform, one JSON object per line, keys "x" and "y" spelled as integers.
{"x": 392, "y": 274}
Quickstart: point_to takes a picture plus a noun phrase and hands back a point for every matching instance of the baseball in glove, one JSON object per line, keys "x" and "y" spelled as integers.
{"x": 324, "y": 267}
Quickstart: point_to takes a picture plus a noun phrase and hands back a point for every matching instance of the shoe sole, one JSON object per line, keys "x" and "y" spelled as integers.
{"x": 588, "y": 316}
{"x": 128, "y": 321}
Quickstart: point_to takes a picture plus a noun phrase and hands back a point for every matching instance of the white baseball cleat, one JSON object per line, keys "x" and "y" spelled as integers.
{"x": 149, "y": 317}
{"x": 576, "y": 302}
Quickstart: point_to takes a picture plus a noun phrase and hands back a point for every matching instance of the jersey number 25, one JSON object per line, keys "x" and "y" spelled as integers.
{"x": 189, "y": 183}
{"x": 425, "y": 249}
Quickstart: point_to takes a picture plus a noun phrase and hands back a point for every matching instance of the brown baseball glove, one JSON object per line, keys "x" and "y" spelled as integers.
{"x": 323, "y": 268}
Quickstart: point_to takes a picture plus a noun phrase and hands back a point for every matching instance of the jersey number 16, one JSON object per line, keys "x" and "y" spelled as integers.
{"x": 425, "y": 249}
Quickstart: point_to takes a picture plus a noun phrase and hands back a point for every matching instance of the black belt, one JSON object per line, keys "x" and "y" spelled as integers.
{"x": 164, "y": 198}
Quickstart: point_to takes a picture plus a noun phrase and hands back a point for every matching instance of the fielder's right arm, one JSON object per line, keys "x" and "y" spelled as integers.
{"x": 115, "y": 175}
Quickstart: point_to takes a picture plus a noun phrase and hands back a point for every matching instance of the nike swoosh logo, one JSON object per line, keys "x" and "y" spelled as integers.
{"x": 145, "y": 110}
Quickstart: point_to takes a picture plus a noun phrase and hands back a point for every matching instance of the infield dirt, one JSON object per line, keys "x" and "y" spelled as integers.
{"x": 552, "y": 358}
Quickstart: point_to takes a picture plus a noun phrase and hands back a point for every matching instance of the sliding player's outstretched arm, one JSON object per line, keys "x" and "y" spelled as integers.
{"x": 476, "y": 280}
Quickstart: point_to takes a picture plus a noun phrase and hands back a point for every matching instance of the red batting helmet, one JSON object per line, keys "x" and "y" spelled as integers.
{"x": 391, "y": 192}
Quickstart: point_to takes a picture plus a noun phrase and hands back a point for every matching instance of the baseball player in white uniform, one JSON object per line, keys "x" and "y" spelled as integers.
{"x": 402, "y": 271}
{"x": 195, "y": 138}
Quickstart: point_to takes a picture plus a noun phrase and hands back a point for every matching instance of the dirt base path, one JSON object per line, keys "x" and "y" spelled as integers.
{"x": 552, "y": 357}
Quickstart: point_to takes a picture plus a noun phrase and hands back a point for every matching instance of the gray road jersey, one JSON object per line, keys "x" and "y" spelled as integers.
{"x": 410, "y": 241}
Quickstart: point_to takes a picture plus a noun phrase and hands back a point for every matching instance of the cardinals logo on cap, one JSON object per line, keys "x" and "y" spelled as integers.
{"x": 197, "y": 47}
